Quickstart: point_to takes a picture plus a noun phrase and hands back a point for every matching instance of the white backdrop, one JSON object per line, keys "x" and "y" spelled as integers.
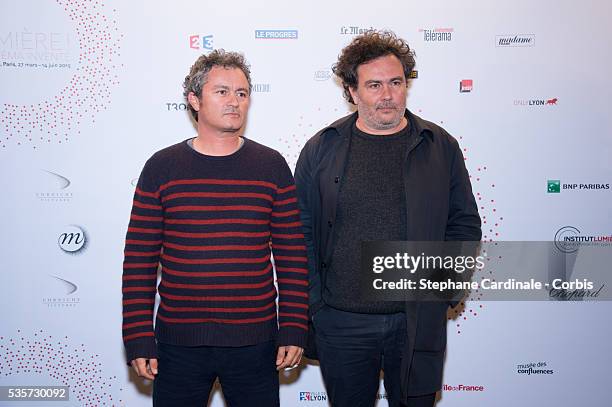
{"x": 90, "y": 89}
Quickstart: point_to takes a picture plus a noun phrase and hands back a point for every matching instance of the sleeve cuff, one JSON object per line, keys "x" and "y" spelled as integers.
{"x": 292, "y": 336}
{"x": 141, "y": 348}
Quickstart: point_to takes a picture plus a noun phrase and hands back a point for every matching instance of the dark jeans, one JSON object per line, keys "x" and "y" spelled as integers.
{"x": 247, "y": 374}
{"x": 353, "y": 348}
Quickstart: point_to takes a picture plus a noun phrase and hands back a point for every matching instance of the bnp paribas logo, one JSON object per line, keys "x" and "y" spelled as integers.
{"x": 554, "y": 186}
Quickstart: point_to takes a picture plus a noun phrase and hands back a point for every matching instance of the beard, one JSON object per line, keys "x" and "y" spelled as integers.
{"x": 375, "y": 120}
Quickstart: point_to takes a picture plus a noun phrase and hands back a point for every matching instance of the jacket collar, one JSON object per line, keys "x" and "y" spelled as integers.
{"x": 344, "y": 125}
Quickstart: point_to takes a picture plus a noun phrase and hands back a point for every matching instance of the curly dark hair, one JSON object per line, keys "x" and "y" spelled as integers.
{"x": 198, "y": 74}
{"x": 366, "y": 47}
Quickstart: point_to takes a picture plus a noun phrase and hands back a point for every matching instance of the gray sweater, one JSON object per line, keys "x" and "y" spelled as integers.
{"x": 371, "y": 207}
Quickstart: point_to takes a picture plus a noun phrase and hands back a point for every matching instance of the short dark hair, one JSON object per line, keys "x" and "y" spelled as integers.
{"x": 198, "y": 74}
{"x": 366, "y": 47}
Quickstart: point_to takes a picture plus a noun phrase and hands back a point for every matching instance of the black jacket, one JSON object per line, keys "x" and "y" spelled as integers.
{"x": 440, "y": 206}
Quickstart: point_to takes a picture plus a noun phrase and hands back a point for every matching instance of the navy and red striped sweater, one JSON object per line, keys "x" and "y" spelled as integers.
{"x": 212, "y": 224}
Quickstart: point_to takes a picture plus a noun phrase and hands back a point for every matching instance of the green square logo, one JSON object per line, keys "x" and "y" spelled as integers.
{"x": 554, "y": 186}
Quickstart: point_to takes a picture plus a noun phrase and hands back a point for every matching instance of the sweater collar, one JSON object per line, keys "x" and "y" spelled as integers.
{"x": 422, "y": 127}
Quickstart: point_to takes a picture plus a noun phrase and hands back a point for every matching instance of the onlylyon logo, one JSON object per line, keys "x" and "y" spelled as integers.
{"x": 73, "y": 239}
{"x": 199, "y": 42}
{"x": 515, "y": 40}
{"x": 276, "y": 34}
{"x": 313, "y": 396}
{"x": 536, "y": 102}
{"x": 437, "y": 34}
{"x": 555, "y": 186}
{"x": 56, "y": 188}
{"x": 466, "y": 85}
{"x": 568, "y": 239}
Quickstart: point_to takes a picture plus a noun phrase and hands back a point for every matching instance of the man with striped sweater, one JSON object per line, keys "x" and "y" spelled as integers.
{"x": 214, "y": 211}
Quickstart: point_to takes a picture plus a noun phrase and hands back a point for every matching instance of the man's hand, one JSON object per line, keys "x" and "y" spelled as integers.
{"x": 146, "y": 368}
{"x": 288, "y": 357}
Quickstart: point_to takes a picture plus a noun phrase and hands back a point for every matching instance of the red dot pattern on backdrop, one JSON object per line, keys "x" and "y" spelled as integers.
{"x": 293, "y": 143}
{"x": 483, "y": 188}
{"x": 67, "y": 364}
{"x": 60, "y": 117}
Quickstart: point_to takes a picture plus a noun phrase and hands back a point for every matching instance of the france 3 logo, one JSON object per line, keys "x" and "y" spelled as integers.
{"x": 199, "y": 41}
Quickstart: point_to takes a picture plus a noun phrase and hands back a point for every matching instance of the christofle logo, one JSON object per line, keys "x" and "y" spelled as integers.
{"x": 199, "y": 42}
{"x": 276, "y": 34}
{"x": 516, "y": 40}
{"x": 73, "y": 239}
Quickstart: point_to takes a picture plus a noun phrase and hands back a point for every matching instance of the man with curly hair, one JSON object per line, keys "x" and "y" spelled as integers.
{"x": 381, "y": 173}
{"x": 210, "y": 211}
